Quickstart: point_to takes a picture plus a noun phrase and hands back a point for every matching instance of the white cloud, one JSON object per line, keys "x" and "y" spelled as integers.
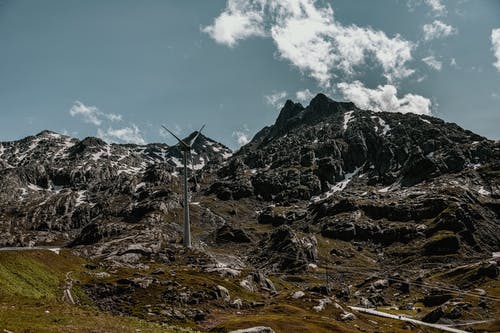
{"x": 241, "y": 137}
{"x": 304, "y": 96}
{"x": 91, "y": 114}
{"x": 240, "y": 20}
{"x": 276, "y": 99}
{"x": 384, "y": 98}
{"x": 113, "y": 116}
{"x": 308, "y": 36}
{"x": 436, "y": 6}
{"x": 437, "y": 29}
{"x": 125, "y": 134}
{"x": 495, "y": 42}
{"x": 432, "y": 62}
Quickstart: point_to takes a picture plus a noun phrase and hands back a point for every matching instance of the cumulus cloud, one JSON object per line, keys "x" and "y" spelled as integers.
{"x": 495, "y": 42}
{"x": 276, "y": 99}
{"x": 91, "y": 114}
{"x": 384, "y": 98}
{"x": 432, "y": 62}
{"x": 304, "y": 96}
{"x": 125, "y": 134}
{"x": 436, "y": 6}
{"x": 241, "y": 137}
{"x": 437, "y": 29}
{"x": 240, "y": 20}
{"x": 307, "y": 35}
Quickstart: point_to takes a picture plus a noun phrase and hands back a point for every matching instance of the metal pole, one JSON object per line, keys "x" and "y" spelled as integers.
{"x": 187, "y": 227}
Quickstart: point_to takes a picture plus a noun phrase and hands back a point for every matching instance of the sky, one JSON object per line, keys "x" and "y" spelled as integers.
{"x": 117, "y": 69}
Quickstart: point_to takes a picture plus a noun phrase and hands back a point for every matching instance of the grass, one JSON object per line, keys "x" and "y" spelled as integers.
{"x": 30, "y": 297}
{"x": 285, "y": 318}
{"x": 48, "y": 317}
{"x": 35, "y": 274}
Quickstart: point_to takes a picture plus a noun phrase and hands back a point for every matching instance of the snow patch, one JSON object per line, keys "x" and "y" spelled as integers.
{"x": 340, "y": 186}
{"x": 96, "y": 156}
{"x": 484, "y": 192}
{"x": 35, "y": 187}
{"x": 226, "y": 155}
{"x": 385, "y": 189}
{"x": 176, "y": 161}
{"x": 80, "y": 199}
{"x": 347, "y": 118}
{"x": 385, "y": 128}
{"x": 138, "y": 186}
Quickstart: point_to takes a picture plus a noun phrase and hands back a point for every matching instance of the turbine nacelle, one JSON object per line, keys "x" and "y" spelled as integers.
{"x": 185, "y": 146}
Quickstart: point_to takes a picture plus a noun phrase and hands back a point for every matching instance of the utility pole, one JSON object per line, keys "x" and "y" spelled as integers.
{"x": 186, "y": 150}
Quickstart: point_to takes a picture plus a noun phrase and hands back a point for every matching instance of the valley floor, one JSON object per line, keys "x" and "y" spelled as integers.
{"x": 32, "y": 285}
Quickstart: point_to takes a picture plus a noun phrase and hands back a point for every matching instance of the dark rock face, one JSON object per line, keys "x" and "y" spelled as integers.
{"x": 434, "y": 315}
{"x": 436, "y": 298}
{"x": 229, "y": 234}
{"x": 283, "y": 250}
{"x": 339, "y": 230}
{"x": 442, "y": 243}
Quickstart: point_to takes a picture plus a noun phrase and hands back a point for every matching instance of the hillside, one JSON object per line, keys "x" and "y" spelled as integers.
{"x": 330, "y": 207}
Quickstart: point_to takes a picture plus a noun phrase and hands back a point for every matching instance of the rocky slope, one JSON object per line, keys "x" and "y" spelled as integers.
{"x": 331, "y": 206}
{"x": 54, "y": 188}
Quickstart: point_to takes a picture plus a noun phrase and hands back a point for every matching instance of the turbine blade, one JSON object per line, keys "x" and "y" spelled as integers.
{"x": 175, "y": 136}
{"x": 196, "y": 136}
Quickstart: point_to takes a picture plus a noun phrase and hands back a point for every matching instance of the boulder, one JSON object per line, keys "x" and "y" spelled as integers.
{"x": 230, "y": 234}
{"x": 284, "y": 250}
{"x": 441, "y": 243}
{"x": 339, "y": 230}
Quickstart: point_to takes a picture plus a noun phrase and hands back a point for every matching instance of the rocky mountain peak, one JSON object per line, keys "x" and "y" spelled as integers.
{"x": 294, "y": 115}
{"x": 47, "y": 133}
{"x": 88, "y": 144}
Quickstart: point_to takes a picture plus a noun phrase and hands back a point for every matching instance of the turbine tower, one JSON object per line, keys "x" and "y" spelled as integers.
{"x": 186, "y": 149}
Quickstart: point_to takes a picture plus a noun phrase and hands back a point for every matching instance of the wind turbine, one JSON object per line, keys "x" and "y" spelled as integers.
{"x": 186, "y": 149}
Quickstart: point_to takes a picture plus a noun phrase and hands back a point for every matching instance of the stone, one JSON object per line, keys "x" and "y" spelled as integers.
{"x": 230, "y": 234}
{"x": 298, "y": 294}
{"x": 444, "y": 242}
{"x": 223, "y": 293}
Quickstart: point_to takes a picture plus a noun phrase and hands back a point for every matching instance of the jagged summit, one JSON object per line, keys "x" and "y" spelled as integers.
{"x": 294, "y": 115}
{"x": 48, "y": 133}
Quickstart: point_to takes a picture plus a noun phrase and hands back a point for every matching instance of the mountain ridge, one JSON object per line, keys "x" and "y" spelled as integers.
{"x": 328, "y": 187}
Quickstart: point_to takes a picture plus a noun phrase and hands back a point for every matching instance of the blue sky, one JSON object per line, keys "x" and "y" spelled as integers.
{"x": 119, "y": 68}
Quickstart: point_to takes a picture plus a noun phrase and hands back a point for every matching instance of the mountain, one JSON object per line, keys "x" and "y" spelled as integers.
{"x": 330, "y": 206}
{"x": 52, "y": 185}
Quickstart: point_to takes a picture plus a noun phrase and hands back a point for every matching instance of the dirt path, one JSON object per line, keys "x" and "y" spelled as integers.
{"x": 407, "y": 319}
